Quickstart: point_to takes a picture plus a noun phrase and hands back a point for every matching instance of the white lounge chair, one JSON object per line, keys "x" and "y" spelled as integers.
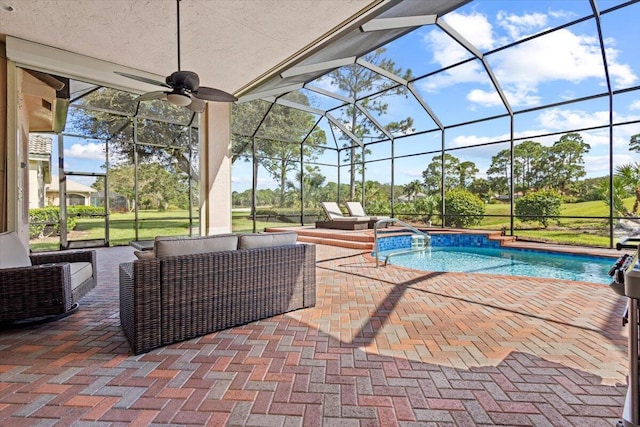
{"x": 357, "y": 211}
{"x": 337, "y": 220}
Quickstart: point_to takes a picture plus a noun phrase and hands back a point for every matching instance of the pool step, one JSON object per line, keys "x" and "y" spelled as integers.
{"x": 504, "y": 240}
{"x": 360, "y": 240}
{"x": 363, "y": 239}
{"x": 363, "y": 246}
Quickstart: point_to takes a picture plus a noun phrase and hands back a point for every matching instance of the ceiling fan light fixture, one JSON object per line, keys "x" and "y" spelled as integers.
{"x": 179, "y": 98}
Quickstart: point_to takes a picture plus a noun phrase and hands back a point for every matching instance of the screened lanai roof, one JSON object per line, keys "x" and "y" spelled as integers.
{"x": 393, "y": 20}
{"x": 488, "y": 59}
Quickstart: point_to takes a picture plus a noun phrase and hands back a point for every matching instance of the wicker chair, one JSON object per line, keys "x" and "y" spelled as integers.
{"x": 175, "y": 298}
{"x": 41, "y": 287}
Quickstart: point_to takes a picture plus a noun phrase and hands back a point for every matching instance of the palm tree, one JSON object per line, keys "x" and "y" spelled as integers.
{"x": 413, "y": 188}
{"x": 629, "y": 176}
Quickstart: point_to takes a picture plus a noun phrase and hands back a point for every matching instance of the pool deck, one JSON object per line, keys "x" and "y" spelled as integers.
{"x": 383, "y": 346}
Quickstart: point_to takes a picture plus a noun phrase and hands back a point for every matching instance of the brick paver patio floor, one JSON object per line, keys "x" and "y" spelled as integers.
{"x": 383, "y": 347}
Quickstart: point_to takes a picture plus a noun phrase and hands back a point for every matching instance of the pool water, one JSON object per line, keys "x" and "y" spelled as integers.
{"x": 511, "y": 262}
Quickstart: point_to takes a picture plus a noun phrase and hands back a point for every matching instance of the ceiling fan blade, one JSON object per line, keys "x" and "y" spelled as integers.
{"x": 197, "y": 105}
{"x": 211, "y": 94}
{"x": 142, "y": 79}
{"x": 158, "y": 94}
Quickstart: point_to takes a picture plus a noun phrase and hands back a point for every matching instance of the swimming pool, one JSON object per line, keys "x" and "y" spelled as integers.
{"x": 506, "y": 261}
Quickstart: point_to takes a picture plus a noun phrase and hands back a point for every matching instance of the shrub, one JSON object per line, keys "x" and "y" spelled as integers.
{"x": 81, "y": 210}
{"x": 463, "y": 208}
{"x": 378, "y": 207}
{"x": 46, "y": 221}
{"x": 287, "y": 215}
{"x": 538, "y": 206}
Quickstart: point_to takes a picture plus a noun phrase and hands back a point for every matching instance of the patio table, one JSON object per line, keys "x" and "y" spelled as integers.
{"x": 142, "y": 245}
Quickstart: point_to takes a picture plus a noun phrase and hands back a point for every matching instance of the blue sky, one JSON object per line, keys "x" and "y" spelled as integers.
{"x": 559, "y": 66}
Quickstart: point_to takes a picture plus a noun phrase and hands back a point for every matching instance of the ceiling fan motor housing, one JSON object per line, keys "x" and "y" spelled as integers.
{"x": 185, "y": 79}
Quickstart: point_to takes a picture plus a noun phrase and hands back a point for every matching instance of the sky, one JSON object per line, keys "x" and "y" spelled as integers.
{"x": 562, "y": 65}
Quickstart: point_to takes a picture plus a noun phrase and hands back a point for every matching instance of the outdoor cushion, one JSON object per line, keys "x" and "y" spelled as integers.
{"x": 12, "y": 251}
{"x": 80, "y": 272}
{"x": 356, "y": 210}
{"x": 265, "y": 240}
{"x": 173, "y": 246}
{"x": 144, "y": 254}
{"x": 333, "y": 212}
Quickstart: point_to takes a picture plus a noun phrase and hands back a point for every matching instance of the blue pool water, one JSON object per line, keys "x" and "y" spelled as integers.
{"x": 496, "y": 260}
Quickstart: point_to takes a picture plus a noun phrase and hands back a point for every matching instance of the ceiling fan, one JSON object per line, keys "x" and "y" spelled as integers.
{"x": 184, "y": 86}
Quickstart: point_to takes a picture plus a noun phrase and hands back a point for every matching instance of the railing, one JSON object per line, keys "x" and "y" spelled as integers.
{"x": 394, "y": 221}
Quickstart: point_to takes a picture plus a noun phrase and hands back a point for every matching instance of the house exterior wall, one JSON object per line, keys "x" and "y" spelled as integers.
{"x": 36, "y": 185}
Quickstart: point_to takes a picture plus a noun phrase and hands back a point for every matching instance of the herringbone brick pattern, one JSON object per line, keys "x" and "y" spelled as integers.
{"x": 383, "y": 347}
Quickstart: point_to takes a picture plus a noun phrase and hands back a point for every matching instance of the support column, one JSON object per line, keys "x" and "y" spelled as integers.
{"x": 14, "y": 158}
{"x": 215, "y": 169}
{"x": 3, "y": 140}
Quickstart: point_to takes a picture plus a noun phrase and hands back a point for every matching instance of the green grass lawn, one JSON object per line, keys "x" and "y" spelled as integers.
{"x": 122, "y": 228}
{"x": 152, "y": 224}
{"x": 579, "y": 231}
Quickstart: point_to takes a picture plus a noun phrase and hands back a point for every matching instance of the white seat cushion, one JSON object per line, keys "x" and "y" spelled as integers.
{"x": 80, "y": 272}
{"x": 332, "y": 210}
{"x": 12, "y": 251}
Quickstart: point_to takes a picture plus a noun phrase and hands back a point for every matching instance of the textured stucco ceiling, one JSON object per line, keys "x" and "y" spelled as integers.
{"x": 229, "y": 43}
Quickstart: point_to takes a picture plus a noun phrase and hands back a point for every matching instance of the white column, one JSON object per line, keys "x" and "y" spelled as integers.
{"x": 215, "y": 169}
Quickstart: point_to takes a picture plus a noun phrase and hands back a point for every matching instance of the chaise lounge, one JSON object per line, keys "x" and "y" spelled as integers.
{"x": 189, "y": 287}
{"x": 336, "y": 220}
{"x": 356, "y": 210}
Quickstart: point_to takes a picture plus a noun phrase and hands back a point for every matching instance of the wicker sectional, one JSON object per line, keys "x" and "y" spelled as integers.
{"x": 175, "y": 298}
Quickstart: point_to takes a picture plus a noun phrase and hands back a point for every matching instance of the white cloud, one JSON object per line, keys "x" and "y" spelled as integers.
{"x": 635, "y": 105}
{"x": 90, "y": 151}
{"x": 474, "y": 27}
{"x": 469, "y": 140}
{"x": 557, "y": 57}
{"x": 561, "y": 55}
{"x": 483, "y": 97}
{"x": 520, "y": 26}
{"x": 559, "y": 119}
{"x": 413, "y": 173}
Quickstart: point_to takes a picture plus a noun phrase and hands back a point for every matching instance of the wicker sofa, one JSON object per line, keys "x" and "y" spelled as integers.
{"x": 188, "y": 287}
